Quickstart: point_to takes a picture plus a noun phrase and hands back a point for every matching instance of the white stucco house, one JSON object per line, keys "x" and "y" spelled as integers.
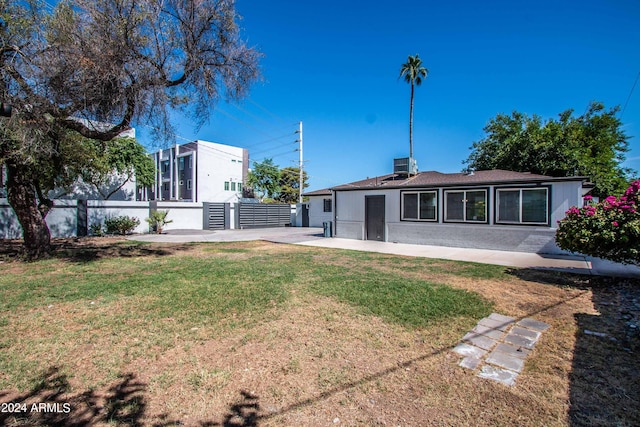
{"x": 318, "y": 208}
{"x": 494, "y": 209}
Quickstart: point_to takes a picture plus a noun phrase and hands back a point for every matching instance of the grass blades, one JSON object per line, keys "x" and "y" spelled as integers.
{"x": 124, "y": 307}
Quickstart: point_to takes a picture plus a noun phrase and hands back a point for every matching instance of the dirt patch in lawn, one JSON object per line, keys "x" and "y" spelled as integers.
{"x": 321, "y": 362}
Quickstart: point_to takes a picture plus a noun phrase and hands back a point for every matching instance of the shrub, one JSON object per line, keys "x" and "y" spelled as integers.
{"x": 609, "y": 229}
{"x": 158, "y": 219}
{"x": 95, "y": 229}
{"x": 121, "y": 224}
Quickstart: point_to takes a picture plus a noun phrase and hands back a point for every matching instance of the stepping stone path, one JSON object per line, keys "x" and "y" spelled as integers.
{"x": 498, "y": 346}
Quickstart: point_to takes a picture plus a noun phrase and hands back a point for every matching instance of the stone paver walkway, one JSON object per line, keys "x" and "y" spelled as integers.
{"x": 499, "y": 345}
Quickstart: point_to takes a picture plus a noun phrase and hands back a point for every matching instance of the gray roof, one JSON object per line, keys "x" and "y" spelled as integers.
{"x": 323, "y": 192}
{"x": 438, "y": 179}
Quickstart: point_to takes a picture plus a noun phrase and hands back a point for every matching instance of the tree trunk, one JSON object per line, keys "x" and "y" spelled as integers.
{"x": 22, "y": 198}
{"x": 411, "y": 124}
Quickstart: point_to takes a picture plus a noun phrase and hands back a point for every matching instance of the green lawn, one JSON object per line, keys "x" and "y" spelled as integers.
{"x": 139, "y": 304}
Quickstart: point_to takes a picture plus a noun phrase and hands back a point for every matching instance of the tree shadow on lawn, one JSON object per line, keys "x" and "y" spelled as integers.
{"x": 51, "y": 404}
{"x": 243, "y": 413}
{"x": 246, "y": 411}
{"x": 83, "y": 250}
{"x": 605, "y": 375}
{"x": 605, "y": 379}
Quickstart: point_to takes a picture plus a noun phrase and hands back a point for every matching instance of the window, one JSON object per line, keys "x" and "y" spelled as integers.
{"x": 239, "y": 186}
{"x": 466, "y": 205}
{"x": 419, "y": 205}
{"x": 181, "y": 164}
{"x": 188, "y": 184}
{"x": 165, "y": 166}
{"x": 233, "y": 186}
{"x": 522, "y": 206}
{"x": 166, "y": 186}
{"x": 226, "y": 186}
{"x": 327, "y": 205}
{"x": 190, "y": 162}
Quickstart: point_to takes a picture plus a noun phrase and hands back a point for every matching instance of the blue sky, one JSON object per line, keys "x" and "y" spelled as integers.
{"x": 334, "y": 66}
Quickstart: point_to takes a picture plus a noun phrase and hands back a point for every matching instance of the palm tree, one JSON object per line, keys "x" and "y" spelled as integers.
{"x": 413, "y": 72}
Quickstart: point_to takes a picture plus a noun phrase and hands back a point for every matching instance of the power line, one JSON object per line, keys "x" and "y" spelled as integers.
{"x": 274, "y": 156}
{"x": 273, "y": 148}
{"x": 242, "y": 122}
{"x": 207, "y": 147}
{"x": 270, "y": 140}
{"x": 275, "y": 116}
{"x": 629, "y": 97}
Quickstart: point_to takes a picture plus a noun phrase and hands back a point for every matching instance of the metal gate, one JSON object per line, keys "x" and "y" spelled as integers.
{"x": 215, "y": 216}
{"x": 256, "y": 215}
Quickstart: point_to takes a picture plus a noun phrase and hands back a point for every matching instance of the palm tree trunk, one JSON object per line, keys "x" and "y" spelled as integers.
{"x": 411, "y": 124}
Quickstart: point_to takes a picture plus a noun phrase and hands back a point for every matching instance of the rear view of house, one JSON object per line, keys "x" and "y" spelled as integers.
{"x": 493, "y": 209}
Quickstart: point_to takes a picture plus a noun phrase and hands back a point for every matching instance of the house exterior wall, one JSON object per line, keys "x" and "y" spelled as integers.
{"x": 564, "y": 195}
{"x": 350, "y": 220}
{"x": 317, "y": 215}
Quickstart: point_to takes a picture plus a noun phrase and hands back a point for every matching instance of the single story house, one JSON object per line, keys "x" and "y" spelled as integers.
{"x": 493, "y": 209}
{"x": 317, "y": 210}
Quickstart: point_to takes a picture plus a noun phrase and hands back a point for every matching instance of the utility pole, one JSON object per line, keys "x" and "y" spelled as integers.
{"x": 300, "y": 167}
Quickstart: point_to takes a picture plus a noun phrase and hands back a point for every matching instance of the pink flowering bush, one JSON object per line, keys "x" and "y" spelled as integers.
{"x": 609, "y": 229}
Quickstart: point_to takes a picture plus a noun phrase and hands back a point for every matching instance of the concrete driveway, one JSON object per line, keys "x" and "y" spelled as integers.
{"x": 313, "y": 237}
{"x": 277, "y": 234}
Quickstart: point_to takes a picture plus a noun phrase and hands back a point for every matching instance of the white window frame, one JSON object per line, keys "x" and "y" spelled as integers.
{"x": 520, "y": 206}
{"x": 418, "y": 193}
{"x": 464, "y": 205}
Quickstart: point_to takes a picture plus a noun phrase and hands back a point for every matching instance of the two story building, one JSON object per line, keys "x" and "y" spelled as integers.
{"x": 199, "y": 171}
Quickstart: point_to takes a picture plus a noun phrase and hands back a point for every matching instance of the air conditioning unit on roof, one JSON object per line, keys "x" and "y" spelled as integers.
{"x": 405, "y": 166}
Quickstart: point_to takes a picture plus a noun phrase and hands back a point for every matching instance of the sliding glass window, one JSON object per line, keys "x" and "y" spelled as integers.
{"x": 419, "y": 206}
{"x": 465, "y": 206}
{"x": 522, "y": 206}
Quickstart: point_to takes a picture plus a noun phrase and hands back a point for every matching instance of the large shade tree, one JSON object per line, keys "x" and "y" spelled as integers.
{"x": 79, "y": 74}
{"x": 124, "y": 160}
{"x": 412, "y": 72}
{"x": 592, "y": 144}
{"x": 264, "y": 179}
{"x": 289, "y": 184}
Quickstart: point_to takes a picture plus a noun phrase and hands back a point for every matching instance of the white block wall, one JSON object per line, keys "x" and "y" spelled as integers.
{"x": 62, "y": 219}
